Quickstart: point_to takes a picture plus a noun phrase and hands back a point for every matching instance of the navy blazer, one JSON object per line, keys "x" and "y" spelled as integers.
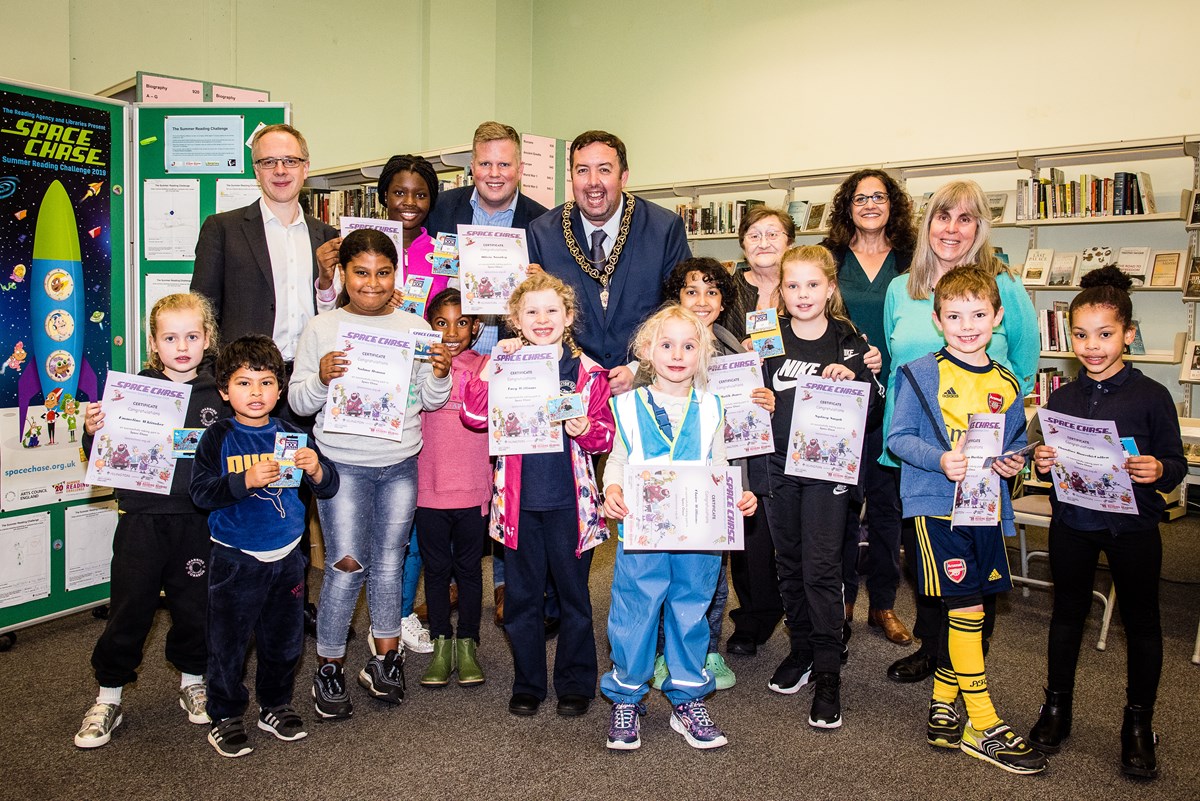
{"x": 453, "y": 208}
{"x": 656, "y": 243}
{"x": 233, "y": 269}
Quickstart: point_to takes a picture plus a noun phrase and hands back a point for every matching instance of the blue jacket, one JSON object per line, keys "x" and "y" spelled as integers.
{"x": 453, "y": 208}
{"x": 918, "y": 438}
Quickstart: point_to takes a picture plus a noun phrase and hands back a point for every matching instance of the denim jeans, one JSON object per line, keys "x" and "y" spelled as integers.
{"x": 264, "y": 599}
{"x": 366, "y": 527}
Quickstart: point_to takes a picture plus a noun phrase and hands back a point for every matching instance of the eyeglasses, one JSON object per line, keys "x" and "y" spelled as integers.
{"x": 269, "y": 163}
{"x": 879, "y": 198}
{"x": 754, "y": 237}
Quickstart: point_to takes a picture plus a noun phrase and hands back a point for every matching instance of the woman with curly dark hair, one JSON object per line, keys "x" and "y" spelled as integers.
{"x": 871, "y": 237}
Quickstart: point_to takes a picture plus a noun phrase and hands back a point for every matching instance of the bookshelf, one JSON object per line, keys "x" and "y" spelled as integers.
{"x": 1174, "y": 163}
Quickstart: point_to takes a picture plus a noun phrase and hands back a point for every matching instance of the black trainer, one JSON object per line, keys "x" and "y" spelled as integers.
{"x": 792, "y": 674}
{"x": 827, "y": 703}
{"x": 282, "y": 721}
{"x": 228, "y": 736}
{"x": 383, "y": 677}
{"x": 330, "y": 696}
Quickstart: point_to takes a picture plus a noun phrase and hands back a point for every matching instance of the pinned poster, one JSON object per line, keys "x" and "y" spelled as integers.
{"x": 88, "y": 533}
{"x": 24, "y": 558}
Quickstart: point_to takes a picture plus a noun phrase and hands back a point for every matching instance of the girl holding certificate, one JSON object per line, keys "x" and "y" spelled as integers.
{"x": 673, "y": 420}
{"x": 1144, "y": 411}
{"x": 162, "y": 541}
{"x": 808, "y": 515}
{"x": 367, "y": 524}
{"x": 545, "y": 505}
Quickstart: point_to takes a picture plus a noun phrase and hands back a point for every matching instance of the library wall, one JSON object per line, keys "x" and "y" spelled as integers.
{"x": 37, "y": 42}
{"x": 709, "y": 89}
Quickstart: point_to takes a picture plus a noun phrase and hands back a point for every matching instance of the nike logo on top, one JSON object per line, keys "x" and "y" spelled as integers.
{"x": 790, "y": 371}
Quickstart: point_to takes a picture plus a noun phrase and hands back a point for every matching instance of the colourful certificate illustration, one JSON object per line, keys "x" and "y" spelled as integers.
{"x": 765, "y": 336}
{"x": 133, "y": 450}
{"x": 1089, "y": 469}
{"x": 372, "y": 397}
{"x": 491, "y": 262}
{"x": 674, "y": 507}
{"x": 286, "y": 445}
{"x": 828, "y": 424}
{"x": 977, "y": 496}
{"x": 747, "y": 425}
{"x": 518, "y": 386}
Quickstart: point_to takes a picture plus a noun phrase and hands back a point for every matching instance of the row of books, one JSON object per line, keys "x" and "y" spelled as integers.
{"x": 1054, "y": 326}
{"x": 1047, "y": 380}
{"x": 1125, "y": 193}
{"x": 1145, "y": 267}
{"x": 331, "y": 205}
{"x": 715, "y": 217}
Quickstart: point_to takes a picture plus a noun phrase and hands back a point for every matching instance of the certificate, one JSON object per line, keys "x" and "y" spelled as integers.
{"x": 133, "y": 450}
{"x": 491, "y": 262}
{"x": 392, "y": 230}
{"x": 747, "y": 425}
{"x": 1089, "y": 469}
{"x": 519, "y": 385}
{"x": 682, "y": 508}
{"x": 371, "y": 398}
{"x": 977, "y": 496}
{"x": 829, "y": 419}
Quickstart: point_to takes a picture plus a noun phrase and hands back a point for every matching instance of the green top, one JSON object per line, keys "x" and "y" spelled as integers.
{"x": 864, "y": 299}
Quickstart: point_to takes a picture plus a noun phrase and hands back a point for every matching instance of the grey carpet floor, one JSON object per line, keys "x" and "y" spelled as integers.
{"x": 457, "y": 743}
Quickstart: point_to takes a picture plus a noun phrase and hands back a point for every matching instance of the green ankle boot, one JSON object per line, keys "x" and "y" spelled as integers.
{"x": 442, "y": 664}
{"x": 470, "y": 673}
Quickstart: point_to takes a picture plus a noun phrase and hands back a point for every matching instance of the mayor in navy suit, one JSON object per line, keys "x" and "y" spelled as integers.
{"x": 268, "y": 268}
{"x": 616, "y": 250}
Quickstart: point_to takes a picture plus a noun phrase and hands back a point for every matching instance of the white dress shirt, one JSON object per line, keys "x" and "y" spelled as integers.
{"x": 291, "y": 269}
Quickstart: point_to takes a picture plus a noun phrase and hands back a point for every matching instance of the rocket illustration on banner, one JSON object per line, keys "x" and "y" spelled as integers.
{"x": 56, "y": 308}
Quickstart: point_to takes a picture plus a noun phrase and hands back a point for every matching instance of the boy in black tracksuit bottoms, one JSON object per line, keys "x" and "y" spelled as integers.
{"x": 257, "y": 576}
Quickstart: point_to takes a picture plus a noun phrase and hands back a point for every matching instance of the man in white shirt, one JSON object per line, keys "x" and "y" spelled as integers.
{"x": 268, "y": 267}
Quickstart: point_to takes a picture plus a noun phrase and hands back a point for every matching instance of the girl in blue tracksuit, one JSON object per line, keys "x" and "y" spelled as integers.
{"x": 673, "y": 420}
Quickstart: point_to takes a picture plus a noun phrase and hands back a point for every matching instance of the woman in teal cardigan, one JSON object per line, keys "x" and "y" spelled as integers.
{"x": 955, "y": 232}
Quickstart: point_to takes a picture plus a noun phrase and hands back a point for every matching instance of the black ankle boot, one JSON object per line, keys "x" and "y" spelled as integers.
{"x": 1137, "y": 743}
{"x": 1053, "y": 723}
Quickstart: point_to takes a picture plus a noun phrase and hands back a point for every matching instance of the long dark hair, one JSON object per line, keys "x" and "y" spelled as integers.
{"x": 899, "y": 229}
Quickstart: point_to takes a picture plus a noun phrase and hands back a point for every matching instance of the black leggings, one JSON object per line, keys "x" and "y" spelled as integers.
{"x": 1135, "y": 560}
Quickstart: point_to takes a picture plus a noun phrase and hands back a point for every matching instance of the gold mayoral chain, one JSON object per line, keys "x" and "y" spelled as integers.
{"x": 603, "y": 275}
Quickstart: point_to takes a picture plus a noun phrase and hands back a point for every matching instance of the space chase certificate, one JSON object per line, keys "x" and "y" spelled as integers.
{"x": 519, "y": 385}
{"x": 134, "y": 448}
{"x": 491, "y": 262}
{"x": 674, "y": 507}
{"x": 1089, "y": 469}
{"x": 371, "y": 398}
{"x": 977, "y": 496}
{"x": 829, "y": 420}
{"x": 747, "y": 425}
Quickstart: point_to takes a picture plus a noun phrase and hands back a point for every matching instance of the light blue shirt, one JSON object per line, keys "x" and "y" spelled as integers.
{"x": 501, "y": 219}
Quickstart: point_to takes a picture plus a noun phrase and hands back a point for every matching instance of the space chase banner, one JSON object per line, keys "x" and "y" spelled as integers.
{"x": 61, "y": 179}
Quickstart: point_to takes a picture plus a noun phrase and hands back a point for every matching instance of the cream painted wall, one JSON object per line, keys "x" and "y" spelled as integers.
{"x": 706, "y": 88}
{"x": 37, "y": 47}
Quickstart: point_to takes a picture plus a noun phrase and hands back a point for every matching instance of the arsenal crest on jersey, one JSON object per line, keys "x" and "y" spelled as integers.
{"x": 995, "y": 402}
{"x": 955, "y": 569}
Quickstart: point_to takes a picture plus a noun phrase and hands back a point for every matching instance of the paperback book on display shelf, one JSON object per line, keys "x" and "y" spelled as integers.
{"x": 1190, "y": 370}
{"x": 1138, "y": 346}
{"x": 1062, "y": 269}
{"x": 997, "y": 203}
{"x": 1037, "y": 266}
{"x": 1135, "y": 262}
{"x": 798, "y": 211}
{"x": 1094, "y": 258}
{"x": 1193, "y": 220}
{"x": 816, "y": 218}
{"x": 1167, "y": 268}
{"x": 1191, "y": 286}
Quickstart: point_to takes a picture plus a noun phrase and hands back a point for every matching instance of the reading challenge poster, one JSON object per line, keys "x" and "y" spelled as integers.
{"x": 61, "y": 211}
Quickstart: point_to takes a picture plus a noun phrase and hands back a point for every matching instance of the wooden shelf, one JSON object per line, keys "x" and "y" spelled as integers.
{"x": 1174, "y": 356}
{"x": 1111, "y": 219}
{"x": 1074, "y": 288}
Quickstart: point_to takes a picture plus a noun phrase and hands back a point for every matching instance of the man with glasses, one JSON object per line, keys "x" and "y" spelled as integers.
{"x": 268, "y": 267}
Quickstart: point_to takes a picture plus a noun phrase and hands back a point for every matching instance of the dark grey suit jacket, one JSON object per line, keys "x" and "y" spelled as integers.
{"x": 453, "y": 208}
{"x": 233, "y": 269}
